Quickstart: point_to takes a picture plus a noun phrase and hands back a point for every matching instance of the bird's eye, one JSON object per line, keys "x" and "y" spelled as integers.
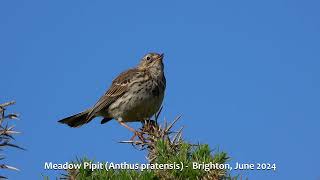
{"x": 148, "y": 58}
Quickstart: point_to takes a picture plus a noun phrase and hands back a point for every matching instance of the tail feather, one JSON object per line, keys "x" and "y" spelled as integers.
{"x": 77, "y": 120}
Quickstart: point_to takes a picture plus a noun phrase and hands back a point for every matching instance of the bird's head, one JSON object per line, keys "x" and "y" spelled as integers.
{"x": 152, "y": 62}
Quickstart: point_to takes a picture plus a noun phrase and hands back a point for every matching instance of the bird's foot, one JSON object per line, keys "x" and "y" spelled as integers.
{"x": 139, "y": 135}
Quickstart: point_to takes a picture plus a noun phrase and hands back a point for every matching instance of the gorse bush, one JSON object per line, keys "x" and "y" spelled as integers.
{"x": 187, "y": 154}
{"x": 169, "y": 157}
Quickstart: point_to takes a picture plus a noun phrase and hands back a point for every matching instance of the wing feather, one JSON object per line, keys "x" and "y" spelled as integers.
{"x": 118, "y": 87}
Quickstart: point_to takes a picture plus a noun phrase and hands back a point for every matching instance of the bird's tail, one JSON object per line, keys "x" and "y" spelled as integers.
{"x": 77, "y": 120}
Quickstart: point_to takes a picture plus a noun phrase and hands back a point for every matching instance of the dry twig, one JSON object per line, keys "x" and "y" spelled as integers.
{"x": 6, "y": 133}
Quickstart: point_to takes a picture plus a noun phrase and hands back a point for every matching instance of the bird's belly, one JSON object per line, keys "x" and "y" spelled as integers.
{"x": 136, "y": 106}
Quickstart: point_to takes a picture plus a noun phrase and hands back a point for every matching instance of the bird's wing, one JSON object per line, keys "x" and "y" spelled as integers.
{"x": 118, "y": 87}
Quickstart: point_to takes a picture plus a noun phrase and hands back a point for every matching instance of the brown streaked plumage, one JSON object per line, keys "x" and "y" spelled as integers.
{"x": 135, "y": 95}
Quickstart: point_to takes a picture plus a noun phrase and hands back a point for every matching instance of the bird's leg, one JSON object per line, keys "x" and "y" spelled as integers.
{"x": 136, "y": 133}
{"x": 128, "y": 127}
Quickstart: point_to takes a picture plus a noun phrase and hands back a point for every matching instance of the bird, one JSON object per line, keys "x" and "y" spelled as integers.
{"x": 134, "y": 95}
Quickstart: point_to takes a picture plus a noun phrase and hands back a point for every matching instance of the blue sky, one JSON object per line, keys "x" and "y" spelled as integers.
{"x": 244, "y": 75}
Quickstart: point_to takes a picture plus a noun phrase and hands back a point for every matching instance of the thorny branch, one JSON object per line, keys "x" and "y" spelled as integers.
{"x": 6, "y": 133}
{"x": 152, "y": 132}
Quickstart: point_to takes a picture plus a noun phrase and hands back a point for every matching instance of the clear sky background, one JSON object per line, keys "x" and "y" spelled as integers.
{"x": 244, "y": 75}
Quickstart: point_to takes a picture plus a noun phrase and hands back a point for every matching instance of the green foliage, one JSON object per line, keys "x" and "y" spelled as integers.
{"x": 185, "y": 153}
{"x": 86, "y": 174}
